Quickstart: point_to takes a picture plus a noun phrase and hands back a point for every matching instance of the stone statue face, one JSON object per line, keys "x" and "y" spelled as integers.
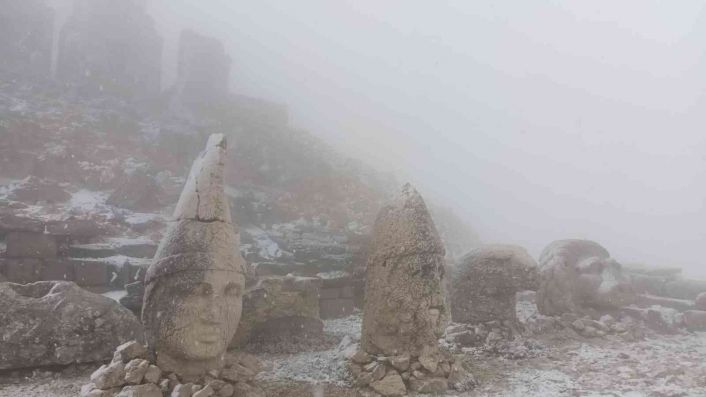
{"x": 204, "y": 313}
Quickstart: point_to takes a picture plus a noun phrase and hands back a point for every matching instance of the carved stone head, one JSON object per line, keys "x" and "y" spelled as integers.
{"x": 194, "y": 287}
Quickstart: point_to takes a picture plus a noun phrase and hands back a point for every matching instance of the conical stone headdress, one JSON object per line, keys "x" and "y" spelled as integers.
{"x": 202, "y": 237}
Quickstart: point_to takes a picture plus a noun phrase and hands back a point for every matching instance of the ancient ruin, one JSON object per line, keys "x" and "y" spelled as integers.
{"x": 203, "y": 71}
{"x": 194, "y": 287}
{"x": 484, "y": 283}
{"x": 406, "y": 308}
{"x": 26, "y": 31}
{"x": 579, "y": 274}
{"x": 113, "y": 47}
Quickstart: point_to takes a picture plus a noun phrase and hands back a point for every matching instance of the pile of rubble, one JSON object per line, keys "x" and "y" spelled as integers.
{"x": 393, "y": 376}
{"x": 132, "y": 374}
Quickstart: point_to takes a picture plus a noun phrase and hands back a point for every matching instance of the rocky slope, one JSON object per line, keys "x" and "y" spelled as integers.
{"x": 301, "y": 206}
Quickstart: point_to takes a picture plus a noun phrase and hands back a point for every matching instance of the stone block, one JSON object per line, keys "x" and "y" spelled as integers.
{"x": 336, "y": 308}
{"x": 90, "y": 273}
{"x": 645, "y": 284}
{"x": 24, "y": 270}
{"x": 31, "y": 245}
{"x": 331, "y": 293}
{"x": 684, "y": 289}
{"x": 57, "y": 270}
{"x": 695, "y": 320}
{"x": 13, "y": 223}
{"x": 645, "y": 301}
{"x": 348, "y": 292}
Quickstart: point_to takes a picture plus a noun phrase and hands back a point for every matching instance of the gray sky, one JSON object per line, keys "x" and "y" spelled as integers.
{"x": 536, "y": 120}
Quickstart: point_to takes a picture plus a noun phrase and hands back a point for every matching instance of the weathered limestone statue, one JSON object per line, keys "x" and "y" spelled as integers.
{"x": 405, "y": 309}
{"x": 485, "y": 281}
{"x": 577, "y": 274}
{"x": 193, "y": 288}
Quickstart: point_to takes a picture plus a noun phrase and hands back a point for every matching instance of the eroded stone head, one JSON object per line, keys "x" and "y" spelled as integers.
{"x": 194, "y": 287}
{"x": 576, "y": 274}
{"x": 405, "y": 309}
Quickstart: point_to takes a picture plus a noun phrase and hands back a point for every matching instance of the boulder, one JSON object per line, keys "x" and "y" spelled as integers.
{"x": 58, "y": 323}
{"x": 576, "y": 275}
{"x": 428, "y": 385}
{"x": 391, "y": 385}
{"x": 406, "y": 308}
{"x": 279, "y": 306}
{"x": 485, "y": 282}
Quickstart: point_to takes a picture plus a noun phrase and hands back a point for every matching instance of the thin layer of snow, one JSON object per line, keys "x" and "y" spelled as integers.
{"x": 346, "y": 326}
{"x": 121, "y": 241}
{"x": 8, "y": 187}
{"x": 525, "y": 310}
{"x": 118, "y": 260}
{"x": 268, "y": 248}
{"x": 115, "y": 295}
{"x": 137, "y": 218}
{"x": 534, "y": 382}
{"x": 333, "y": 274}
{"x": 88, "y": 200}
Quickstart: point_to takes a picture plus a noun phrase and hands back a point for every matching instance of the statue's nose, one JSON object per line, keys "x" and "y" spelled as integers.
{"x": 212, "y": 314}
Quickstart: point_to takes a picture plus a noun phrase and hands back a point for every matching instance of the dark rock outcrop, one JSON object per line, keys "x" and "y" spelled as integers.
{"x": 58, "y": 323}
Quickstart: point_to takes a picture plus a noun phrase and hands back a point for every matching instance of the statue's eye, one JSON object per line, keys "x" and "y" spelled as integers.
{"x": 232, "y": 290}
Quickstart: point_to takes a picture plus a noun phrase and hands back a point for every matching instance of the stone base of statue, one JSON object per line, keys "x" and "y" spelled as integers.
{"x": 133, "y": 373}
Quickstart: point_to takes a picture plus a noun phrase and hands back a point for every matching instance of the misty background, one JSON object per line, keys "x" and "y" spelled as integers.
{"x": 534, "y": 121}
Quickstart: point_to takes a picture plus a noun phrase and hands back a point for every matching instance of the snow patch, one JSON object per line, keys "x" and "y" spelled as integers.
{"x": 115, "y": 295}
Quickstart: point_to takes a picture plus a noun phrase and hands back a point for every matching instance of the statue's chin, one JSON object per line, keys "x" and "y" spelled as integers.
{"x": 189, "y": 366}
{"x": 194, "y": 351}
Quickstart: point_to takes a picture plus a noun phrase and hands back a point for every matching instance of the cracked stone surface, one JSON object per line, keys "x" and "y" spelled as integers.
{"x": 575, "y": 274}
{"x": 406, "y": 308}
{"x": 194, "y": 287}
{"x": 484, "y": 283}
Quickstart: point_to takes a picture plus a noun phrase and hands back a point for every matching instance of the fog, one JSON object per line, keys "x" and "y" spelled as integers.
{"x": 536, "y": 121}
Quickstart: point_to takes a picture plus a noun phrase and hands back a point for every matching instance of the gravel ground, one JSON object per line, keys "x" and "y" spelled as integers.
{"x": 567, "y": 366}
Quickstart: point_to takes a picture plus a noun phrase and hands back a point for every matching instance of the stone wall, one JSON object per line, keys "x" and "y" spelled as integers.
{"x": 203, "y": 71}
{"x": 338, "y": 297}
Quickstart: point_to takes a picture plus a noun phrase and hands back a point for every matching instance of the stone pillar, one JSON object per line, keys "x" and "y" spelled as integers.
{"x": 405, "y": 310}
{"x": 111, "y": 46}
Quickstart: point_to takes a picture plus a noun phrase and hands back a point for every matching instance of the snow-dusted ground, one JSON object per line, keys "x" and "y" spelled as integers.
{"x": 659, "y": 366}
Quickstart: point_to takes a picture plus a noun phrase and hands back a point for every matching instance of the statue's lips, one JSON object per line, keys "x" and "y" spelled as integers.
{"x": 209, "y": 334}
